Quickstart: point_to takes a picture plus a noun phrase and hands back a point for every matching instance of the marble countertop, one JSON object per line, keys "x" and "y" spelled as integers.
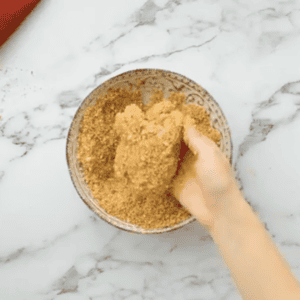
{"x": 246, "y": 54}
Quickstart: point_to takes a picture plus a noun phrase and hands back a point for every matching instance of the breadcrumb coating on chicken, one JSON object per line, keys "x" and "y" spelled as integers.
{"x": 150, "y": 143}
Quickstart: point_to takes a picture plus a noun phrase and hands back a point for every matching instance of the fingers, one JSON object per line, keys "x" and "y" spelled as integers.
{"x": 211, "y": 161}
{"x": 197, "y": 142}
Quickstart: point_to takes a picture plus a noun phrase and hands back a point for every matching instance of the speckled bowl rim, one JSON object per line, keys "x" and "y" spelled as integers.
{"x": 145, "y": 231}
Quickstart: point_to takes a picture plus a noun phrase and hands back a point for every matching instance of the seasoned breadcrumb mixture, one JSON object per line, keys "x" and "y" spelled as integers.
{"x": 131, "y": 153}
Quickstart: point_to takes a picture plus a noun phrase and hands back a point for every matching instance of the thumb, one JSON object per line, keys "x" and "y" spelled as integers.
{"x": 197, "y": 142}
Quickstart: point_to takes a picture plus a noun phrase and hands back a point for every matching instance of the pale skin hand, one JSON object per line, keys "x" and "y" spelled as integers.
{"x": 207, "y": 188}
{"x": 205, "y": 178}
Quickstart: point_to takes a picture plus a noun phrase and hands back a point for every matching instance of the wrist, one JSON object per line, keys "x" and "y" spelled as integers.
{"x": 233, "y": 211}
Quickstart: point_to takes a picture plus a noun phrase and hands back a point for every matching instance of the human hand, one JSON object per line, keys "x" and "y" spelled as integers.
{"x": 206, "y": 184}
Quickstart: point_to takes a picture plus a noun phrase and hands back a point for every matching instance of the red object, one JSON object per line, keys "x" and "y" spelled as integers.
{"x": 12, "y": 14}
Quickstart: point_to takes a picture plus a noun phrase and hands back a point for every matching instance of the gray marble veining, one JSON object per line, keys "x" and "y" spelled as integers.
{"x": 246, "y": 54}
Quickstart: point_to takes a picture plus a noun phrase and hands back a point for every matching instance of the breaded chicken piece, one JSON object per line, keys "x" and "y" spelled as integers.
{"x": 148, "y": 152}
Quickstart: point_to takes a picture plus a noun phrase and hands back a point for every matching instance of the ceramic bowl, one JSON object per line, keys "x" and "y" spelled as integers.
{"x": 168, "y": 82}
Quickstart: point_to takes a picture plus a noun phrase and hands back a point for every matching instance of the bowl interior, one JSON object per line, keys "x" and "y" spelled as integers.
{"x": 152, "y": 78}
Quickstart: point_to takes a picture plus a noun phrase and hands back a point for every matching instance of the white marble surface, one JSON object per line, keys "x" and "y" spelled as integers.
{"x": 245, "y": 53}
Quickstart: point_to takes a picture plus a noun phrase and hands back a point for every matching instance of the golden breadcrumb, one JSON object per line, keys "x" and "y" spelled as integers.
{"x": 132, "y": 152}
